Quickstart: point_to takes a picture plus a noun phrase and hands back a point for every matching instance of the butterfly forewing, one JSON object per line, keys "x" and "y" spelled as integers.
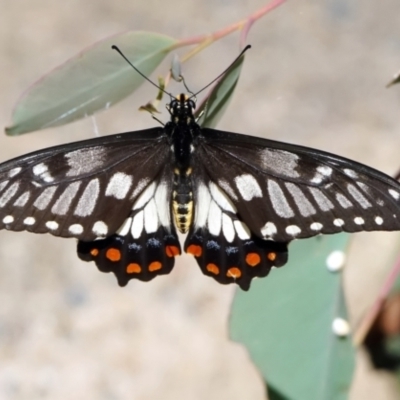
{"x": 284, "y": 191}
{"x": 85, "y": 189}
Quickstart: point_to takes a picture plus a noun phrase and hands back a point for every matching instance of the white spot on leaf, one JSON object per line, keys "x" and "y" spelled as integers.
{"x": 335, "y": 261}
{"x": 340, "y": 327}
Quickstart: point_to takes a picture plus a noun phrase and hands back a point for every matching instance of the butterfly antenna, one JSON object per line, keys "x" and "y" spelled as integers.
{"x": 114, "y": 47}
{"x": 224, "y": 72}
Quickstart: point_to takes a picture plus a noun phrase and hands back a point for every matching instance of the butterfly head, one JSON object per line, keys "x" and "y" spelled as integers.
{"x": 182, "y": 107}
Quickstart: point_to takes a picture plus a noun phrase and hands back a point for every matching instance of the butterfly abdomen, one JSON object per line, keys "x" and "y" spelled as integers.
{"x": 182, "y": 199}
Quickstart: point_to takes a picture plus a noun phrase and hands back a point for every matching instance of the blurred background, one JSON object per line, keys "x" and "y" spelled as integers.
{"x": 316, "y": 76}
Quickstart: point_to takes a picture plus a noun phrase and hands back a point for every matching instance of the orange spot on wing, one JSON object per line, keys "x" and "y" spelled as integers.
{"x": 253, "y": 259}
{"x": 271, "y": 256}
{"x": 155, "y": 266}
{"x": 234, "y": 272}
{"x": 133, "y": 268}
{"x": 94, "y": 252}
{"x": 212, "y": 268}
{"x": 194, "y": 250}
{"x": 113, "y": 254}
{"x": 172, "y": 251}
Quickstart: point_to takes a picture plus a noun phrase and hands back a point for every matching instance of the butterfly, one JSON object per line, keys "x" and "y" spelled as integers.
{"x": 239, "y": 199}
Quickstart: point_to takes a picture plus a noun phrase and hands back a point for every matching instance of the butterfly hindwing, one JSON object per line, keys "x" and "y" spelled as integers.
{"x": 146, "y": 243}
{"x": 84, "y": 189}
{"x": 222, "y": 244}
{"x": 285, "y": 191}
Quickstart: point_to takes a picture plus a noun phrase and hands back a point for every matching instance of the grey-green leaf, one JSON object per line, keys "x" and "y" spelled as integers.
{"x": 214, "y": 107}
{"x": 286, "y": 322}
{"x": 93, "y": 80}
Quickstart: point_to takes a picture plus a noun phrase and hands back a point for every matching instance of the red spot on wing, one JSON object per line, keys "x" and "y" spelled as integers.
{"x": 194, "y": 250}
{"x": 113, "y": 254}
{"x": 234, "y": 272}
{"x": 212, "y": 268}
{"x": 172, "y": 251}
{"x": 94, "y": 252}
{"x": 155, "y": 266}
{"x": 253, "y": 259}
{"x": 133, "y": 268}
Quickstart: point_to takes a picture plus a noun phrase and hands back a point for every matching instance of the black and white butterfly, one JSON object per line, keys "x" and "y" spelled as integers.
{"x": 239, "y": 198}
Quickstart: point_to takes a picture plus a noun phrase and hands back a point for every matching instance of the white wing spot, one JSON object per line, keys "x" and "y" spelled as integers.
{"x": 227, "y": 188}
{"x": 63, "y": 203}
{"x": 145, "y": 196}
{"x": 76, "y": 229}
{"x": 85, "y": 160}
{"x": 303, "y": 204}
{"x": 139, "y": 187}
{"x": 123, "y": 231}
{"x": 150, "y": 217}
{"x": 293, "y": 230}
{"x": 137, "y": 225}
{"x": 248, "y": 187}
{"x": 343, "y": 201}
{"x": 88, "y": 199}
{"x": 214, "y": 219}
{"x": 41, "y": 171}
{"x": 3, "y": 185}
{"x": 359, "y": 220}
{"x": 242, "y": 230}
{"x": 323, "y": 202}
{"x": 8, "y": 219}
{"x": 335, "y": 261}
{"x": 14, "y": 171}
{"x": 279, "y": 161}
{"x": 227, "y": 228}
{"x": 163, "y": 210}
{"x": 278, "y": 200}
{"x": 324, "y": 170}
{"x": 119, "y": 185}
{"x": 358, "y": 196}
{"x": 316, "y": 226}
{"x": 338, "y": 222}
{"x": 204, "y": 198}
{"x": 378, "y": 220}
{"x": 394, "y": 194}
{"x": 221, "y": 199}
{"x": 100, "y": 228}
{"x": 29, "y": 221}
{"x": 52, "y": 225}
{"x": 9, "y": 194}
{"x": 351, "y": 173}
{"x": 269, "y": 229}
{"x": 45, "y": 198}
{"x": 22, "y": 200}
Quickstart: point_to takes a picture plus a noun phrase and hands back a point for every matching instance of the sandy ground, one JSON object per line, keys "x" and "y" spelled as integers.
{"x": 315, "y": 77}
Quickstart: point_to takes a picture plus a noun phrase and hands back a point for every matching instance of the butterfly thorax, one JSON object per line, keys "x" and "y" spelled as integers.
{"x": 182, "y": 131}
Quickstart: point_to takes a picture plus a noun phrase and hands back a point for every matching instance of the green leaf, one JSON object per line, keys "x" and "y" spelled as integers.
{"x": 93, "y": 80}
{"x": 218, "y": 100}
{"x": 285, "y": 321}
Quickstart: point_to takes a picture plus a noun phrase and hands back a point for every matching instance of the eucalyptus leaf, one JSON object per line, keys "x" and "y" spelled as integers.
{"x": 93, "y": 80}
{"x": 286, "y": 322}
{"x": 213, "y": 108}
